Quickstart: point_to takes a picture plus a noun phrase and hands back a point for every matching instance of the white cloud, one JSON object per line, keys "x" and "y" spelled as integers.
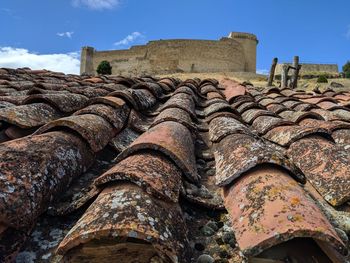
{"x": 129, "y": 39}
{"x": 347, "y": 35}
{"x": 66, "y": 34}
{"x": 11, "y": 57}
{"x": 262, "y": 71}
{"x": 96, "y": 4}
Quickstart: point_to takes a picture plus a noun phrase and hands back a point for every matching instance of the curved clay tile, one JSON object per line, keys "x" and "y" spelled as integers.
{"x": 263, "y": 124}
{"x": 144, "y": 99}
{"x": 274, "y": 95}
{"x": 232, "y": 89}
{"x": 209, "y": 88}
{"x": 169, "y": 82}
{"x": 267, "y": 101}
{"x": 29, "y": 116}
{"x": 219, "y": 107}
{"x": 330, "y": 105}
{"x": 128, "y": 82}
{"x": 36, "y": 90}
{"x": 297, "y": 116}
{"x": 276, "y": 108}
{"x": 267, "y": 208}
{"x": 327, "y": 115}
{"x": 5, "y": 104}
{"x": 138, "y": 226}
{"x": 34, "y": 170}
{"x": 342, "y": 97}
{"x": 188, "y": 91}
{"x": 172, "y": 139}
{"x": 326, "y": 166}
{"x": 94, "y": 129}
{"x": 342, "y": 136}
{"x": 222, "y": 126}
{"x": 222, "y": 114}
{"x": 209, "y": 81}
{"x": 177, "y": 115}
{"x": 116, "y": 118}
{"x": 195, "y": 81}
{"x": 126, "y": 96}
{"x": 94, "y": 80}
{"x": 331, "y": 126}
{"x": 247, "y": 106}
{"x": 269, "y": 90}
{"x": 238, "y": 101}
{"x": 214, "y": 95}
{"x": 139, "y": 122}
{"x": 166, "y": 89}
{"x": 283, "y": 99}
{"x": 316, "y": 100}
{"x": 304, "y": 107}
{"x": 14, "y": 132}
{"x": 65, "y": 102}
{"x": 238, "y": 153}
{"x": 291, "y": 103}
{"x": 154, "y": 88}
{"x": 343, "y": 114}
{"x": 286, "y": 135}
{"x": 209, "y": 102}
{"x": 152, "y": 171}
{"x": 17, "y": 100}
{"x": 89, "y": 92}
{"x": 250, "y": 115}
{"x": 182, "y": 101}
{"x": 123, "y": 139}
{"x": 11, "y": 91}
{"x": 288, "y": 92}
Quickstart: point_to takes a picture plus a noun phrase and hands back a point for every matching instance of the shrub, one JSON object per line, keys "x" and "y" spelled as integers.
{"x": 346, "y": 67}
{"x": 322, "y": 79}
{"x": 104, "y": 68}
{"x": 347, "y": 75}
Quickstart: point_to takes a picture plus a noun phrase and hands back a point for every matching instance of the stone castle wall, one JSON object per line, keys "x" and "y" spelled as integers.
{"x": 234, "y": 53}
{"x": 308, "y": 68}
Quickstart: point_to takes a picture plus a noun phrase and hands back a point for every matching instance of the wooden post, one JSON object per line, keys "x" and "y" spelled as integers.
{"x": 284, "y": 76}
{"x": 272, "y": 71}
{"x": 295, "y": 73}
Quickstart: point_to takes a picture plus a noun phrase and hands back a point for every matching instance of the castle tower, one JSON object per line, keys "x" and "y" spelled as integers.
{"x": 86, "y": 60}
{"x": 249, "y": 43}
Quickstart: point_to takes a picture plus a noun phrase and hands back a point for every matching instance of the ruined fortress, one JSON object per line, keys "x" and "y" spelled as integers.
{"x": 311, "y": 68}
{"x": 235, "y": 53}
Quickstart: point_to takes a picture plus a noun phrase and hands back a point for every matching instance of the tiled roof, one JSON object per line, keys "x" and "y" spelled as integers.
{"x": 114, "y": 169}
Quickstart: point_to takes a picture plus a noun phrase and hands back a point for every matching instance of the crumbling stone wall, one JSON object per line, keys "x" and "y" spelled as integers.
{"x": 314, "y": 68}
{"x": 236, "y": 53}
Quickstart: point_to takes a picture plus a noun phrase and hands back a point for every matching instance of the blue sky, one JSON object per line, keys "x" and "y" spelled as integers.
{"x": 42, "y": 33}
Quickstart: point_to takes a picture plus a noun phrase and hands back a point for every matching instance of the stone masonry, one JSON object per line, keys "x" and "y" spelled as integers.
{"x": 235, "y": 53}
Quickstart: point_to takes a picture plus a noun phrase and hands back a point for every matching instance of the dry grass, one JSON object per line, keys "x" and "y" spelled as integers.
{"x": 259, "y": 80}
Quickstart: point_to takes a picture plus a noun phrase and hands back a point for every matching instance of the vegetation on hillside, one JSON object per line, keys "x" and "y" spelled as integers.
{"x": 346, "y": 69}
{"x": 104, "y": 68}
{"x": 322, "y": 79}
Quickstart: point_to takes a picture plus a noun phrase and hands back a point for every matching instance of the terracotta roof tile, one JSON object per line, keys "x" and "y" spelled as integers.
{"x": 92, "y": 128}
{"x": 29, "y": 116}
{"x": 250, "y": 115}
{"x": 26, "y": 189}
{"x": 172, "y": 139}
{"x": 325, "y": 165}
{"x": 268, "y": 207}
{"x": 65, "y": 102}
{"x": 181, "y": 144}
{"x": 149, "y": 170}
{"x": 127, "y": 212}
{"x": 238, "y": 153}
{"x": 263, "y": 124}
